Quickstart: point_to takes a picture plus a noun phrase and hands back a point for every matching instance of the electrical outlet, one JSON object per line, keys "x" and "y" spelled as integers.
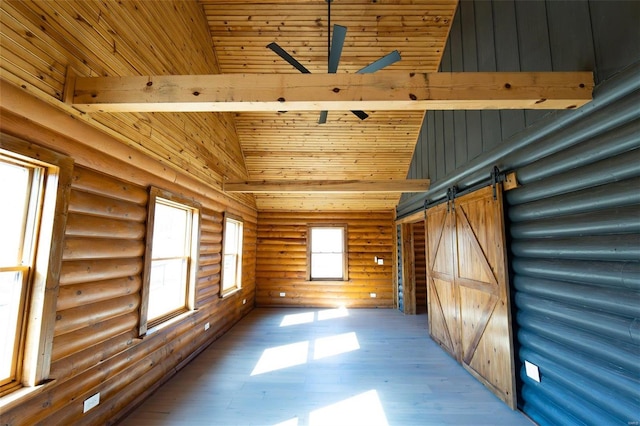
{"x": 206, "y": 326}
{"x": 244, "y": 301}
{"x": 532, "y": 370}
{"x": 91, "y": 402}
{"x": 373, "y": 295}
{"x": 380, "y": 261}
{"x": 283, "y": 294}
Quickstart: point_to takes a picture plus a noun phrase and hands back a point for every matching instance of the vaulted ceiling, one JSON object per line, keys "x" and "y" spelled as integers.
{"x": 70, "y": 53}
{"x": 292, "y": 146}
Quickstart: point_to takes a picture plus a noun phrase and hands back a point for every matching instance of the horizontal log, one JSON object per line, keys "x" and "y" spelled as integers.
{"x": 97, "y": 248}
{"x": 328, "y": 186}
{"x": 209, "y": 269}
{"x": 207, "y": 280}
{"x": 209, "y": 258}
{"x": 99, "y": 205}
{"x": 81, "y": 271}
{"x": 73, "y": 319}
{"x": 80, "y": 225}
{"x": 81, "y": 361}
{"x": 70, "y": 343}
{"x": 263, "y": 302}
{"x": 91, "y": 181}
{"x": 211, "y": 216}
{"x": 206, "y": 248}
{"x": 334, "y": 92}
{"x": 210, "y": 237}
{"x": 70, "y": 296}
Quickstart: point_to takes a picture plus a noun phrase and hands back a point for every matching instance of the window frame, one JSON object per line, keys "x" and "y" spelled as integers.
{"x": 224, "y": 292}
{"x": 195, "y": 208}
{"x": 33, "y": 360}
{"x": 345, "y": 254}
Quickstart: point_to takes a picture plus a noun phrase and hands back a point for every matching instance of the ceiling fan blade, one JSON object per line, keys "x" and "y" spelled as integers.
{"x": 339, "y": 34}
{"x": 360, "y": 114}
{"x": 385, "y": 61}
{"x": 337, "y": 41}
{"x": 284, "y": 55}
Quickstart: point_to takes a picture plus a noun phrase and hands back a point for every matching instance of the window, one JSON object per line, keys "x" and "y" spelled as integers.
{"x": 170, "y": 266}
{"x": 327, "y": 258}
{"x": 232, "y": 255}
{"x": 34, "y": 194}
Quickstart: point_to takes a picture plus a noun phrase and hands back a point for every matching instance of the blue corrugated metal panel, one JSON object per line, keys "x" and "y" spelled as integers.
{"x": 575, "y": 245}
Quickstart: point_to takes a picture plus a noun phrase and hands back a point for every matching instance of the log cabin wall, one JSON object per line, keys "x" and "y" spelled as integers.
{"x": 96, "y": 347}
{"x": 281, "y": 263}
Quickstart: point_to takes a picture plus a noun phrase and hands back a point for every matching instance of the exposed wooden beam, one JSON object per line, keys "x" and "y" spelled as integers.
{"x": 328, "y": 186}
{"x": 382, "y": 91}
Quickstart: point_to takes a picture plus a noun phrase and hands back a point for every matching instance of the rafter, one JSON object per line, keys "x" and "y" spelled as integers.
{"x": 328, "y": 186}
{"x": 383, "y": 91}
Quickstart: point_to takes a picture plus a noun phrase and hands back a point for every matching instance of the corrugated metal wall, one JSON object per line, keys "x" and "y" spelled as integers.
{"x": 575, "y": 241}
{"x": 575, "y": 221}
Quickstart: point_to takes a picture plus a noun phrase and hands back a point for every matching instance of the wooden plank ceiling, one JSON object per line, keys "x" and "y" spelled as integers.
{"x": 291, "y": 146}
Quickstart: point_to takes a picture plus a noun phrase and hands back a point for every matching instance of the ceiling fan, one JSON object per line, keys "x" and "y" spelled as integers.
{"x": 334, "y": 46}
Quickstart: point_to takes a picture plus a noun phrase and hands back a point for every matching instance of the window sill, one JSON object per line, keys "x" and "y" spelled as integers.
{"x": 328, "y": 282}
{"x": 20, "y": 395}
{"x": 230, "y": 292}
{"x": 170, "y": 321}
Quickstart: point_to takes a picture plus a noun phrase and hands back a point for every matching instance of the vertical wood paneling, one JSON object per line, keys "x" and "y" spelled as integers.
{"x": 570, "y": 36}
{"x": 473, "y": 123}
{"x": 615, "y": 33}
{"x": 533, "y": 42}
{"x": 507, "y": 58}
{"x": 281, "y": 263}
{"x": 509, "y": 35}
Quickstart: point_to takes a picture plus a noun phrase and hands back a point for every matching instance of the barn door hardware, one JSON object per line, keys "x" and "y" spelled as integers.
{"x": 451, "y": 197}
{"x": 496, "y": 177}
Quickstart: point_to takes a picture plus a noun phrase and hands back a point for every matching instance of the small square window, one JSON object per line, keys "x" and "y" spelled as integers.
{"x": 326, "y": 253}
{"x": 232, "y": 255}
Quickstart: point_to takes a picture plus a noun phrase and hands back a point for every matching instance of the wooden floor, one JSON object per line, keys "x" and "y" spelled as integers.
{"x": 294, "y": 367}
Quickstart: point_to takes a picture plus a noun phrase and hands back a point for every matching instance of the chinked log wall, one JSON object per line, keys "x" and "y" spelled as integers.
{"x": 281, "y": 263}
{"x": 96, "y": 347}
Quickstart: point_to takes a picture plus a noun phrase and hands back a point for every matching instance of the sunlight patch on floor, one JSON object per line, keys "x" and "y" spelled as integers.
{"x": 295, "y": 319}
{"x": 333, "y": 313}
{"x": 280, "y": 357}
{"x": 290, "y": 422}
{"x": 335, "y": 345}
{"x": 364, "y": 409}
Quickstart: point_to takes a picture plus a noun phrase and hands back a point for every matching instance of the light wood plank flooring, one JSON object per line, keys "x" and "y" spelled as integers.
{"x": 295, "y": 367}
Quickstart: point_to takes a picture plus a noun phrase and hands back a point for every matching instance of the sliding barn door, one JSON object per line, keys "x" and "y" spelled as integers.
{"x": 442, "y": 295}
{"x": 468, "y": 287}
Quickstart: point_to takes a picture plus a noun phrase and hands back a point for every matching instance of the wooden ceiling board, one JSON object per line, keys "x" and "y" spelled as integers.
{"x": 41, "y": 40}
{"x": 291, "y": 145}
